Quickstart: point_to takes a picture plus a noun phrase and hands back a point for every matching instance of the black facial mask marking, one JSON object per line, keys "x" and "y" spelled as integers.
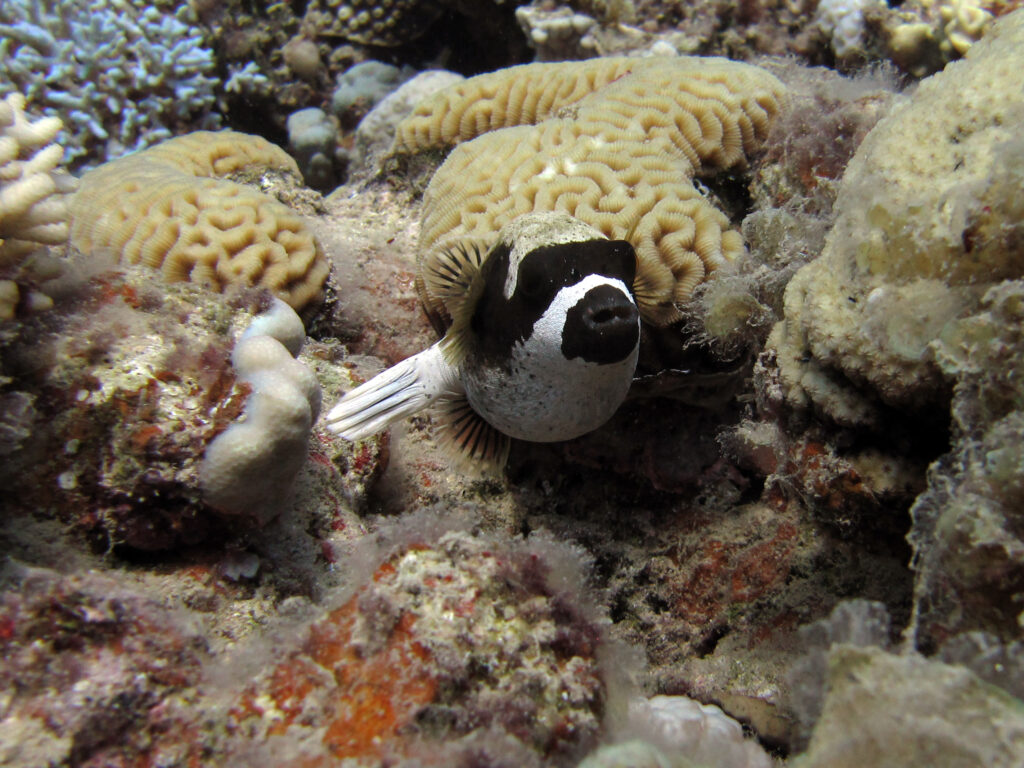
{"x": 603, "y": 327}
{"x": 498, "y": 323}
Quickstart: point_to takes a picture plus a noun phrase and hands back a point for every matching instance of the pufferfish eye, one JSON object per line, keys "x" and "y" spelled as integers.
{"x": 546, "y": 270}
{"x": 534, "y": 286}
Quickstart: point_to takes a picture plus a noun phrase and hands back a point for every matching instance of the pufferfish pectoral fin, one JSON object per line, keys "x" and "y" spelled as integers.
{"x": 400, "y": 391}
{"x": 468, "y": 437}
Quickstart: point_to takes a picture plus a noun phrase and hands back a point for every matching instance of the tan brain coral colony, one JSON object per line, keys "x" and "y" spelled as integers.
{"x": 614, "y": 142}
{"x": 33, "y": 210}
{"x": 170, "y": 207}
{"x": 929, "y": 216}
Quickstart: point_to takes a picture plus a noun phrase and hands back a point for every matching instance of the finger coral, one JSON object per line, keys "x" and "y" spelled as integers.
{"x": 615, "y": 142}
{"x": 33, "y": 210}
{"x": 171, "y": 208}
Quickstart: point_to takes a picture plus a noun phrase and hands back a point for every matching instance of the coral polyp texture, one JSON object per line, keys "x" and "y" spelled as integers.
{"x": 33, "y": 207}
{"x": 172, "y": 208}
{"x": 929, "y": 217}
{"x": 614, "y": 142}
{"x": 120, "y": 74}
{"x": 374, "y": 22}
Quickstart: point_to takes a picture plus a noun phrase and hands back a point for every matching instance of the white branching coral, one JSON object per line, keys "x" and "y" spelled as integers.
{"x": 33, "y": 209}
{"x": 121, "y": 74}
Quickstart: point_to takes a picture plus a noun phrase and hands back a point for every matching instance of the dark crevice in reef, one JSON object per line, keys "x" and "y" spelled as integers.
{"x": 467, "y": 40}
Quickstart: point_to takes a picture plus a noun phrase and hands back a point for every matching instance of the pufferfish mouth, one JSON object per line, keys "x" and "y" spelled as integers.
{"x": 602, "y": 327}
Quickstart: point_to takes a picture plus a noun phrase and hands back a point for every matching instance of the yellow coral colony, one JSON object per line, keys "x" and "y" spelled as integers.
{"x": 167, "y": 207}
{"x": 614, "y": 142}
{"x": 33, "y": 212}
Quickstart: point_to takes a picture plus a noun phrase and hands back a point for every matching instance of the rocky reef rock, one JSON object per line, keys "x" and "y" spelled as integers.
{"x": 927, "y": 221}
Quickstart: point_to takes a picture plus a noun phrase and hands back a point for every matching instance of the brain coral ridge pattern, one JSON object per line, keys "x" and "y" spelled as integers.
{"x": 170, "y": 208}
{"x": 614, "y": 142}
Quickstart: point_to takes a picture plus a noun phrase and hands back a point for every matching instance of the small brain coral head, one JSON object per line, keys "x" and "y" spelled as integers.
{"x": 543, "y": 343}
{"x": 613, "y": 142}
{"x": 170, "y": 208}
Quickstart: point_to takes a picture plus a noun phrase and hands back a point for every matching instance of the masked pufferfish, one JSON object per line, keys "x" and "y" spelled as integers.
{"x": 542, "y": 346}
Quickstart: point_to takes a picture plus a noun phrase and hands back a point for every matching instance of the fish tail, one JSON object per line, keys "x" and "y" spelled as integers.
{"x": 400, "y": 391}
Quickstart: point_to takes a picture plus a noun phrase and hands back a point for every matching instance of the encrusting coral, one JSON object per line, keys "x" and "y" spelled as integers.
{"x": 928, "y": 218}
{"x": 614, "y": 142}
{"x": 457, "y": 637}
{"x": 33, "y": 208}
{"x": 171, "y": 208}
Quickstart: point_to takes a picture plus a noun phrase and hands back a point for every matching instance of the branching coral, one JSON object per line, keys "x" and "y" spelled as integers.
{"x": 120, "y": 74}
{"x": 33, "y": 210}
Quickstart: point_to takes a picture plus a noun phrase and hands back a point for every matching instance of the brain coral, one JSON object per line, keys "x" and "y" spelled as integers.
{"x": 929, "y": 216}
{"x": 170, "y": 208}
{"x": 33, "y": 210}
{"x": 615, "y": 142}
